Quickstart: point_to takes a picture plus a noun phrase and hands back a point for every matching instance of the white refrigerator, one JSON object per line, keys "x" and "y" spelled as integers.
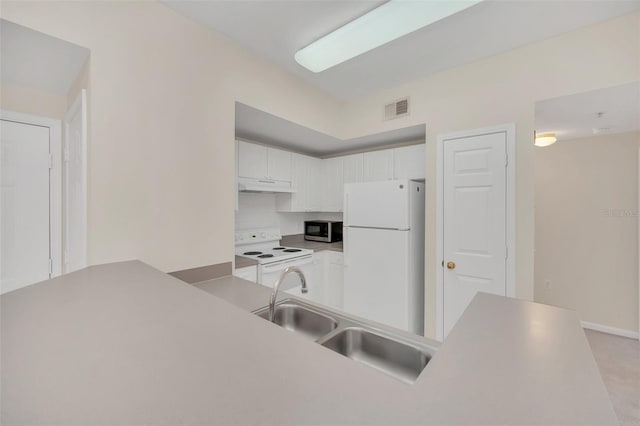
{"x": 383, "y": 235}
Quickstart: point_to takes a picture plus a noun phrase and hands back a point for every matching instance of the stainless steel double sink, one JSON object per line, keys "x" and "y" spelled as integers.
{"x": 392, "y": 354}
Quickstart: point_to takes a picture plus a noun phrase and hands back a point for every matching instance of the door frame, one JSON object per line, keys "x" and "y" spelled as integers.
{"x": 55, "y": 180}
{"x": 79, "y": 105}
{"x": 510, "y": 130}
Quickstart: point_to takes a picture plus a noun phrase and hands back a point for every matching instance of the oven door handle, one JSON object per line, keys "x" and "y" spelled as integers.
{"x": 282, "y": 265}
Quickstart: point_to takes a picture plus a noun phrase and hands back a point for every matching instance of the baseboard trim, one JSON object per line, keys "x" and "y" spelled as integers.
{"x": 610, "y": 330}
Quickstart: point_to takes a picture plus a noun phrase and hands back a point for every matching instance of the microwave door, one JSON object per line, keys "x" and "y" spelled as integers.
{"x": 316, "y": 231}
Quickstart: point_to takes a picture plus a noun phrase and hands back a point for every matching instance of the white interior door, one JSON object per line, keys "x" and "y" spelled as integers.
{"x": 25, "y": 205}
{"x": 474, "y": 220}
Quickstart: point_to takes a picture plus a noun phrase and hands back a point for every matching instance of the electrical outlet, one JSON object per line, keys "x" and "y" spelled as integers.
{"x": 547, "y": 284}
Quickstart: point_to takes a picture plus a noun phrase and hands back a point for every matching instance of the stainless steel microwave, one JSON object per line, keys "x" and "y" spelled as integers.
{"x": 327, "y": 231}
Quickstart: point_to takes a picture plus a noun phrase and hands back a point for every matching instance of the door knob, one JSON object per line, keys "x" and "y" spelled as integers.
{"x": 451, "y": 265}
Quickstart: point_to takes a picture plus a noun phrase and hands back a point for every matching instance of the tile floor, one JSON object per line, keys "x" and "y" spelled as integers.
{"x": 619, "y": 361}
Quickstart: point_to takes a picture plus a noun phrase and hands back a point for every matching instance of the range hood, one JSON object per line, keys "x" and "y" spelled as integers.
{"x": 264, "y": 185}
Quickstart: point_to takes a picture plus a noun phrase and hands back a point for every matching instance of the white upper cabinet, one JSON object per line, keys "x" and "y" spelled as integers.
{"x": 408, "y": 162}
{"x": 261, "y": 162}
{"x": 252, "y": 160}
{"x": 278, "y": 164}
{"x": 333, "y": 184}
{"x": 314, "y": 185}
{"x": 306, "y": 179}
{"x": 352, "y": 168}
{"x": 378, "y": 165}
{"x": 319, "y": 184}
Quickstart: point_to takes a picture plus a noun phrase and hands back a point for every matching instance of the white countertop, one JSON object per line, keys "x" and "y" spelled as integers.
{"x": 126, "y": 344}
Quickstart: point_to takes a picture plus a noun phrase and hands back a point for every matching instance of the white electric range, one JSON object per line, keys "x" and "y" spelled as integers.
{"x": 263, "y": 246}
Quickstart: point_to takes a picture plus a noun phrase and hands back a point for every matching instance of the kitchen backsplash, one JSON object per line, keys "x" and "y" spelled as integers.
{"x": 258, "y": 210}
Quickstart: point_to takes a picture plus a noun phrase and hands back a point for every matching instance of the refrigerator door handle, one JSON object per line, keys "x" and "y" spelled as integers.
{"x": 346, "y": 209}
{"x": 345, "y": 247}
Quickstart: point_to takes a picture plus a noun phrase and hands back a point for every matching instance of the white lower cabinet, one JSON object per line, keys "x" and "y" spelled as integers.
{"x": 324, "y": 275}
{"x": 313, "y": 273}
{"x": 334, "y": 279}
{"x": 249, "y": 273}
{"x": 324, "y": 279}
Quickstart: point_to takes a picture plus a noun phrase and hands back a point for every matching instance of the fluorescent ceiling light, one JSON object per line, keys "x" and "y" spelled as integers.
{"x": 385, "y": 23}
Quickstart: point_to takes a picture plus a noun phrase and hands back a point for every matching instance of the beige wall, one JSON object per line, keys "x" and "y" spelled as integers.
{"x": 31, "y": 101}
{"x": 503, "y": 89}
{"x": 162, "y": 126}
{"x": 587, "y": 228}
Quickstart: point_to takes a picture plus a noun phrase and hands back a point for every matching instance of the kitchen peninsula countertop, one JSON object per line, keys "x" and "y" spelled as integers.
{"x": 124, "y": 343}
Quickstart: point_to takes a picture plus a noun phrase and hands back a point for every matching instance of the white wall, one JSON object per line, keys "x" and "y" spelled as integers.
{"x": 587, "y": 228}
{"x": 258, "y": 210}
{"x": 163, "y": 92}
{"x": 504, "y": 89}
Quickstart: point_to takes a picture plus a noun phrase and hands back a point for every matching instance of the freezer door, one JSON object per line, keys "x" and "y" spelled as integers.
{"x": 377, "y": 204}
{"x": 376, "y": 275}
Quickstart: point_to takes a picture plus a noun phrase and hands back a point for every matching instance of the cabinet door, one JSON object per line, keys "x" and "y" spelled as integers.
{"x": 252, "y": 160}
{"x": 408, "y": 162}
{"x": 334, "y": 280}
{"x": 296, "y": 201}
{"x": 332, "y": 184}
{"x": 315, "y": 287}
{"x": 314, "y": 185}
{"x": 352, "y": 166}
{"x": 278, "y": 164}
{"x": 378, "y": 166}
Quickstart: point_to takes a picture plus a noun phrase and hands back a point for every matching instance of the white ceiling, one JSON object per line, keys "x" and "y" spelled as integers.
{"x": 38, "y": 61}
{"x": 259, "y": 126}
{"x": 577, "y": 116}
{"x": 275, "y": 30}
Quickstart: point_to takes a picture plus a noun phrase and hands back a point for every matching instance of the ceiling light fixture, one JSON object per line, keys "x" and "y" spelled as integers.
{"x": 545, "y": 139}
{"x": 383, "y": 24}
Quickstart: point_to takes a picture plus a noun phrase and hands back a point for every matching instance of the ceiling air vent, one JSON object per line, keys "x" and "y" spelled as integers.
{"x": 396, "y": 109}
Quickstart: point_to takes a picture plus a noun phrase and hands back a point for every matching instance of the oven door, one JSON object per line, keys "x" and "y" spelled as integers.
{"x": 317, "y": 231}
{"x": 268, "y": 274}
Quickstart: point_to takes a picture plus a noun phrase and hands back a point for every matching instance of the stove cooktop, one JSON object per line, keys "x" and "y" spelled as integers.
{"x": 263, "y": 245}
{"x": 267, "y": 254}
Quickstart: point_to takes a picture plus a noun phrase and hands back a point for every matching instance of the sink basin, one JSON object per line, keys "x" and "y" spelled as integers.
{"x": 398, "y": 359}
{"x": 296, "y": 317}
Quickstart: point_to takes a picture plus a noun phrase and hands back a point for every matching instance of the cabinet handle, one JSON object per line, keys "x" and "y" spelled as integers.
{"x": 267, "y": 181}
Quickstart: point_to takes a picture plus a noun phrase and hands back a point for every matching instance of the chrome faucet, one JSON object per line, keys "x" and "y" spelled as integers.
{"x": 274, "y": 293}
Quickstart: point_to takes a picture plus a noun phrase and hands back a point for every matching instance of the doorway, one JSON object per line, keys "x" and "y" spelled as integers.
{"x": 475, "y": 219}
{"x": 30, "y": 225}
